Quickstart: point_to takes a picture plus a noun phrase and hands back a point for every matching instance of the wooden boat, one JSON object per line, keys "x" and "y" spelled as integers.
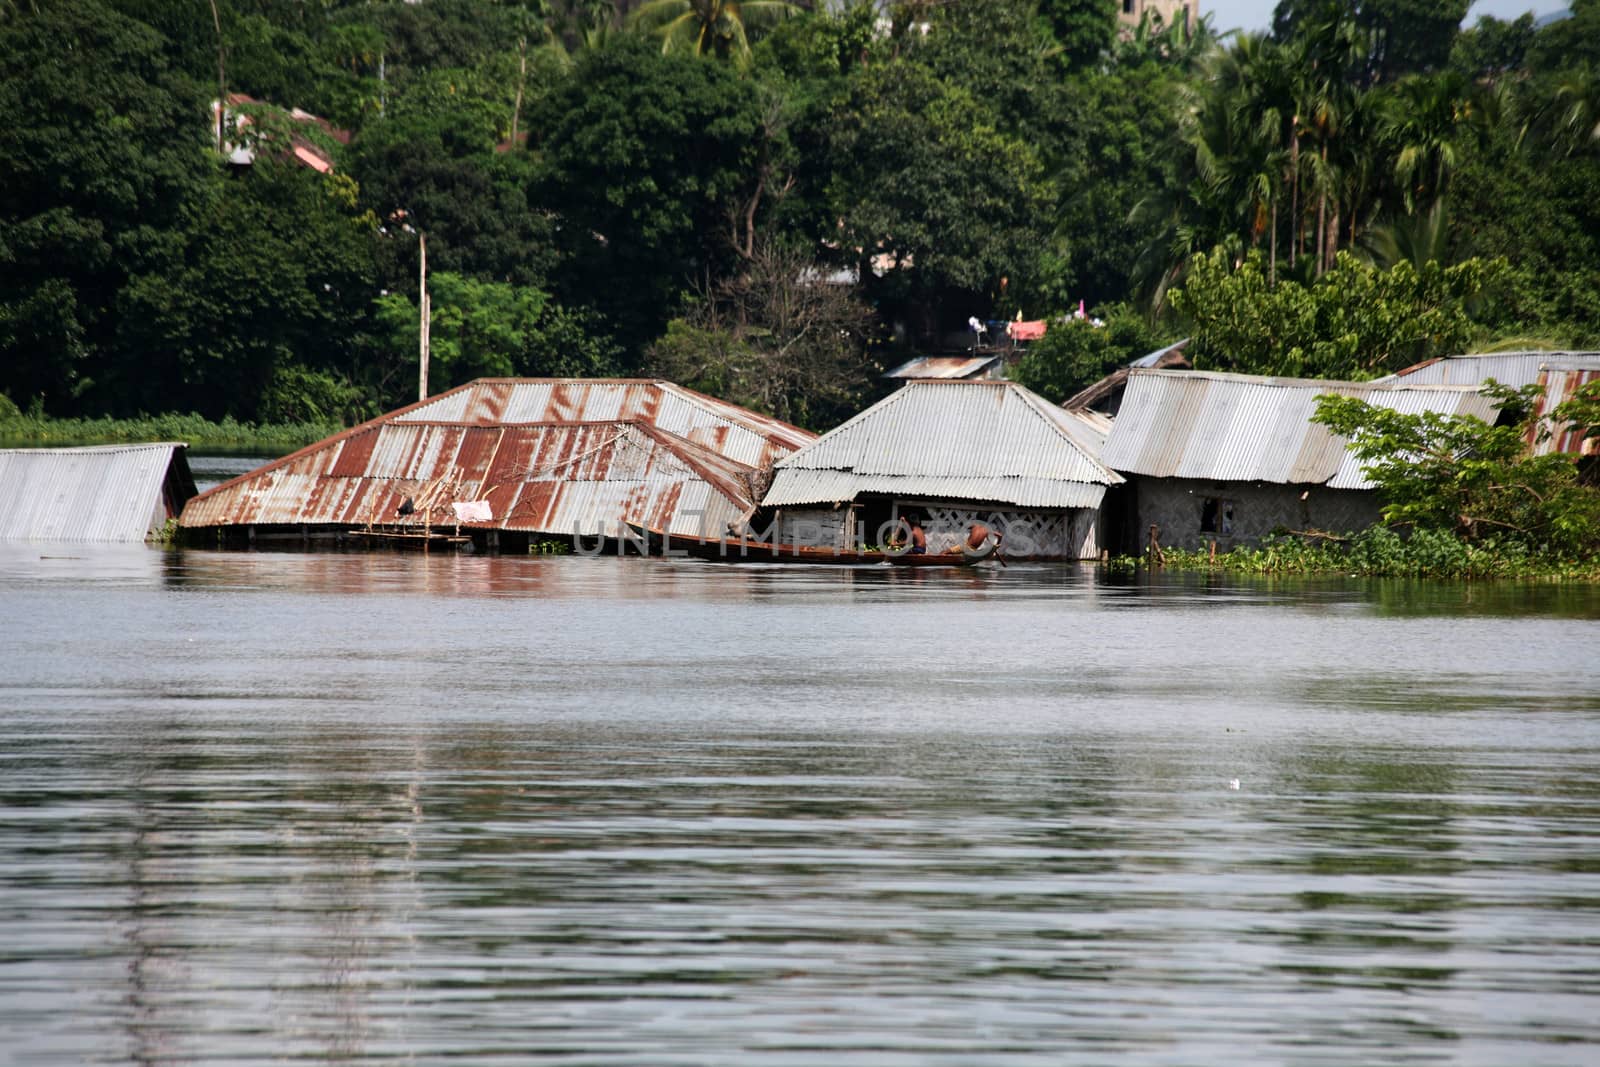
{"x": 741, "y": 550}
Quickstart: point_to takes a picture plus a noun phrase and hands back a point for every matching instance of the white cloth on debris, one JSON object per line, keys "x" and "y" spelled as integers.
{"x": 472, "y": 511}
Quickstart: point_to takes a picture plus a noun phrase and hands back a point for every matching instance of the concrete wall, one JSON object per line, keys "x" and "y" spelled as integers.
{"x": 1242, "y": 512}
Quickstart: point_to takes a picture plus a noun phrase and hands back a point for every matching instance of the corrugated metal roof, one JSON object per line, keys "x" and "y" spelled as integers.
{"x": 103, "y": 493}
{"x": 1515, "y": 369}
{"x": 943, "y": 367}
{"x": 1237, "y": 427}
{"x": 1560, "y": 382}
{"x": 968, "y": 440}
{"x": 556, "y": 457}
{"x": 1154, "y": 359}
{"x": 732, "y": 431}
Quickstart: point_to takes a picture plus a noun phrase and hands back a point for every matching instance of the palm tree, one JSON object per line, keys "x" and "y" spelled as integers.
{"x": 1573, "y": 119}
{"x": 1428, "y": 121}
{"x": 1415, "y": 239}
{"x": 710, "y": 27}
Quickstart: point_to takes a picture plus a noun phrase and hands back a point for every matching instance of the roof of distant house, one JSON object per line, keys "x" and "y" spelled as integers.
{"x": 1241, "y": 427}
{"x": 991, "y": 441}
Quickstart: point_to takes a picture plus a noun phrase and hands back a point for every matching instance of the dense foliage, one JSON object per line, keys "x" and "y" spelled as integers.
{"x": 607, "y": 186}
{"x": 1483, "y": 483}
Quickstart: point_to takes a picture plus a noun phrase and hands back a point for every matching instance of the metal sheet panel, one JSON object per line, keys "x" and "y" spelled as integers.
{"x": 737, "y": 433}
{"x": 978, "y": 440}
{"x": 1233, "y": 427}
{"x": 949, "y": 368}
{"x": 108, "y": 493}
{"x": 584, "y": 478}
{"x": 1560, "y": 383}
{"x": 1515, "y": 369}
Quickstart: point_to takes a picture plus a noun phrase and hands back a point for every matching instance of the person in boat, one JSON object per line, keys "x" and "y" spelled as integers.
{"x": 909, "y": 530}
{"x": 978, "y": 538}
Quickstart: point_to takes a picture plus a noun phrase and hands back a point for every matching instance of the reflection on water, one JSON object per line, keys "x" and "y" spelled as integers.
{"x": 337, "y": 807}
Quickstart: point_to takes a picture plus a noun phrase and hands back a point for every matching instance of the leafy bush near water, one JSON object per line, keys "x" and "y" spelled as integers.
{"x": 1380, "y": 552}
{"x": 38, "y": 430}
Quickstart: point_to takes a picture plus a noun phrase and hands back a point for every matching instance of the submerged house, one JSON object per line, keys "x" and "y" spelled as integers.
{"x": 1229, "y": 458}
{"x": 117, "y": 493}
{"x": 506, "y": 462}
{"x": 949, "y": 453}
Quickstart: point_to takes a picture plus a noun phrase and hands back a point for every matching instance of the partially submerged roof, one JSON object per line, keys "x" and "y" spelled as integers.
{"x": 991, "y": 441}
{"x": 104, "y": 493}
{"x": 558, "y": 456}
{"x": 1515, "y": 369}
{"x": 1239, "y": 427}
{"x": 944, "y": 367}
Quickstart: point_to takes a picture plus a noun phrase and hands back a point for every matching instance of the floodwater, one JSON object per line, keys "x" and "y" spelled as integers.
{"x": 335, "y": 808}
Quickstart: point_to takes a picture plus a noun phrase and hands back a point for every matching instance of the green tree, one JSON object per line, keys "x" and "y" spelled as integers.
{"x": 105, "y": 161}
{"x": 484, "y": 329}
{"x": 1430, "y": 121}
{"x": 1570, "y": 42}
{"x": 1475, "y": 480}
{"x": 720, "y": 28}
{"x": 643, "y": 160}
{"x": 1355, "y": 321}
{"x": 930, "y": 193}
{"x": 1084, "y": 30}
{"x": 1076, "y": 353}
{"x": 1492, "y": 48}
{"x": 779, "y": 337}
{"x": 260, "y": 318}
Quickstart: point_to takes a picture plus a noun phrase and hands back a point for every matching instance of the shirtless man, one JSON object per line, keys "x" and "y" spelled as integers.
{"x": 977, "y": 535}
{"x": 919, "y": 539}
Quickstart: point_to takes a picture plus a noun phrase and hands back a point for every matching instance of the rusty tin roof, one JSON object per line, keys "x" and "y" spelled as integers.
{"x": 562, "y": 457}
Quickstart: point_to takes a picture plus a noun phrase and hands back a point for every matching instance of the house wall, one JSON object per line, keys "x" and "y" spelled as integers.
{"x": 1053, "y": 534}
{"x": 827, "y": 527}
{"x": 1130, "y": 12}
{"x": 1242, "y": 512}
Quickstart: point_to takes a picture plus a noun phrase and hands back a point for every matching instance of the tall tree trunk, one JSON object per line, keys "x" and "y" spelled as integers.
{"x": 1294, "y": 190}
{"x": 1272, "y": 256}
{"x": 222, "y": 74}
{"x": 522, "y": 80}
{"x": 1333, "y": 238}
{"x": 1322, "y": 214}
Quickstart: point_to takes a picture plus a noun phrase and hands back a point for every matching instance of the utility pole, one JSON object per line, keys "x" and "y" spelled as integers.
{"x": 426, "y": 316}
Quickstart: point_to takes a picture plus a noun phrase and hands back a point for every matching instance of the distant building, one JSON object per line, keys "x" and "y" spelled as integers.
{"x": 1162, "y": 13}
{"x": 241, "y": 149}
{"x": 105, "y": 493}
{"x": 503, "y": 461}
{"x": 1230, "y": 458}
{"x": 982, "y": 366}
{"x": 950, "y": 453}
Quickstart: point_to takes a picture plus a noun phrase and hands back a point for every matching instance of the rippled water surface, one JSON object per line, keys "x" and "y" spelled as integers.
{"x": 384, "y": 808}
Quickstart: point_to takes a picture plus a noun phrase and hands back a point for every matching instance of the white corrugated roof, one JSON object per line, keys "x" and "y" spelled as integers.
{"x": 1239, "y": 427}
{"x": 1515, "y": 369}
{"x": 103, "y": 493}
{"x": 968, "y": 440}
{"x": 946, "y": 367}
